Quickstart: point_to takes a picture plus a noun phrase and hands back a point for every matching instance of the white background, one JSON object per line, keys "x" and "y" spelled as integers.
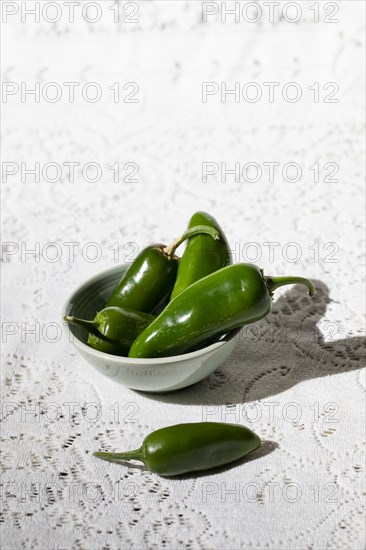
{"x": 296, "y": 379}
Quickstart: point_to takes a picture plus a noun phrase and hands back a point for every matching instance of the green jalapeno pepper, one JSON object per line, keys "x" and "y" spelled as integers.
{"x": 150, "y": 278}
{"x": 185, "y": 448}
{"x": 114, "y": 329}
{"x": 202, "y": 255}
{"x": 225, "y": 300}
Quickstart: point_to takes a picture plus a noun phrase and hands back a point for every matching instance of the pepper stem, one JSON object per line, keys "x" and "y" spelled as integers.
{"x": 275, "y": 282}
{"x": 91, "y": 326}
{"x": 192, "y": 232}
{"x": 137, "y": 454}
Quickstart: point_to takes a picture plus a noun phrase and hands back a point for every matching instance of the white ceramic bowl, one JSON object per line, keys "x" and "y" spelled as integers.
{"x": 150, "y": 375}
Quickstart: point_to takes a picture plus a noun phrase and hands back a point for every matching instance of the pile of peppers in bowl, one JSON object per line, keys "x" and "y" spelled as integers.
{"x": 165, "y": 305}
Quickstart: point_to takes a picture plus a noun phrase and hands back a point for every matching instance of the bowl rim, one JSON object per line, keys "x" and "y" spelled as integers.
{"x": 207, "y": 350}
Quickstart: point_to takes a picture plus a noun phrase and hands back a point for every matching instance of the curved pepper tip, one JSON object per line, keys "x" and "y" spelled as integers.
{"x": 275, "y": 282}
{"x": 311, "y": 289}
{"x": 191, "y": 232}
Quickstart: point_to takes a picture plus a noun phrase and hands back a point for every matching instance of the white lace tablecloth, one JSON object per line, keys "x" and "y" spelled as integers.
{"x": 296, "y": 378}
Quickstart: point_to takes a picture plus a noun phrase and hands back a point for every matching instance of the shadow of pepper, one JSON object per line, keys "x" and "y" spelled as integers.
{"x": 277, "y": 353}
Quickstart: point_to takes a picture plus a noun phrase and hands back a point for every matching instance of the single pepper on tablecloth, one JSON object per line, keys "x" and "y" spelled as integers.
{"x": 185, "y": 448}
